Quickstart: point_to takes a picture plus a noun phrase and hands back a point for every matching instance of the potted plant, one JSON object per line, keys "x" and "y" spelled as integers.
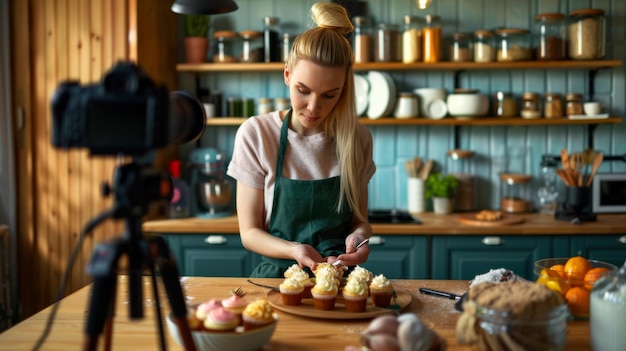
{"x": 441, "y": 188}
{"x": 196, "y": 37}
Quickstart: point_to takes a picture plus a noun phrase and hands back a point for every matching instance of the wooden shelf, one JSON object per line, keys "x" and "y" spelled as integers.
{"x": 396, "y": 66}
{"x": 449, "y": 121}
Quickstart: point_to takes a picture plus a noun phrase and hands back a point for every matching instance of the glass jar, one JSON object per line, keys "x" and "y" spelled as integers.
{"x": 504, "y": 104}
{"x": 607, "y": 315}
{"x": 531, "y": 105}
{"x": 461, "y": 48}
{"x": 362, "y": 40}
{"x": 586, "y": 34}
{"x": 547, "y": 193}
{"x": 432, "y": 38}
{"x": 552, "y": 106}
{"x": 461, "y": 168}
{"x": 234, "y": 107}
{"x": 411, "y": 40}
{"x": 551, "y": 36}
{"x": 286, "y": 47}
{"x": 225, "y": 39}
{"x": 513, "y": 45}
{"x": 248, "y": 51}
{"x": 271, "y": 40}
{"x": 514, "y": 190}
{"x": 484, "y": 46}
{"x": 388, "y": 45}
{"x": 573, "y": 104}
{"x": 264, "y": 106}
{"x": 282, "y": 104}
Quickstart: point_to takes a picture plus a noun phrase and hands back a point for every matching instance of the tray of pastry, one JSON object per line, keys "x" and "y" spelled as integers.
{"x": 490, "y": 218}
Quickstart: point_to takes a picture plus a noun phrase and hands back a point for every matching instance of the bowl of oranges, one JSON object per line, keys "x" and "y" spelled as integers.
{"x": 573, "y": 278}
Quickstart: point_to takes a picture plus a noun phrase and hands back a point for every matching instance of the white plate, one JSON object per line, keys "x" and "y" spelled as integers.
{"x": 393, "y": 94}
{"x": 379, "y": 96}
{"x": 601, "y": 116}
{"x": 437, "y": 109}
{"x": 361, "y": 90}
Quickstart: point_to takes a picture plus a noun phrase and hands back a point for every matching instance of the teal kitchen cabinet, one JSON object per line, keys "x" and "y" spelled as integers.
{"x": 399, "y": 256}
{"x": 463, "y": 257}
{"x": 607, "y": 248}
{"x": 212, "y": 255}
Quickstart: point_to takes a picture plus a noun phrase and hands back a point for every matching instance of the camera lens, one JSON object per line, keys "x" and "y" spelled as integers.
{"x": 187, "y": 118}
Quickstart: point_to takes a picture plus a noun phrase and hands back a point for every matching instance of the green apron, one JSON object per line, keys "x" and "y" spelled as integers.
{"x": 304, "y": 211}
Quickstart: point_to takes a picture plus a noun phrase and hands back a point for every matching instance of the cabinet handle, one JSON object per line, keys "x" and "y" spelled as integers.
{"x": 215, "y": 240}
{"x": 622, "y": 239}
{"x": 492, "y": 241}
{"x": 376, "y": 240}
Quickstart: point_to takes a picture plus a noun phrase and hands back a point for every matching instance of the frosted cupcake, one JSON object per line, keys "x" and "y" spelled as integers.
{"x": 204, "y": 308}
{"x": 257, "y": 314}
{"x": 236, "y": 305}
{"x": 361, "y": 274}
{"x": 221, "y": 320}
{"x": 381, "y": 291}
{"x": 293, "y": 269}
{"x": 355, "y": 295}
{"x": 324, "y": 292}
{"x": 291, "y": 290}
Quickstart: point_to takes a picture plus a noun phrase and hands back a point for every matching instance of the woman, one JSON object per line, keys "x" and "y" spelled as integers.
{"x": 302, "y": 174}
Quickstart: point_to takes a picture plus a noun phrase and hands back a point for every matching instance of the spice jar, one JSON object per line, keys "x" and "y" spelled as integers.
{"x": 411, "y": 40}
{"x": 531, "y": 105}
{"x": 282, "y": 104}
{"x": 552, "y": 106}
{"x": 551, "y": 36}
{"x": 387, "y": 47}
{"x": 514, "y": 192}
{"x": 271, "y": 41}
{"x": 264, "y": 106}
{"x": 586, "y": 34}
{"x": 461, "y": 48}
{"x": 362, "y": 40}
{"x": 573, "y": 104}
{"x": 432, "y": 38}
{"x": 504, "y": 104}
{"x": 513, "y": 45}
{"x": 607, "y": 314}
{"x": 225, "y": 40}
{"x": 484, "y": 46}
{"x": 248, "y": 53}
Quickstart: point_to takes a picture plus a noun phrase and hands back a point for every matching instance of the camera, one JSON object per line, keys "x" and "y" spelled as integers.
{"x": 126, "y": 113}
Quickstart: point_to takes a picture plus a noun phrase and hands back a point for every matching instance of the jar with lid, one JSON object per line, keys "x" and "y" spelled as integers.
{"x": 271, "y": 39}
{"x": 248, "y": 51}
{"x": 551, "y": 31}
{"x": 362, "y": 40}
{"x": 514, "y": 190}
{"x": 461, "y": 168}
{"x": 504, "y": 104}
{"x": 388, "y": 47}
{"x": 225, "y": 39}
{"x": 461, "y": 48}
{"x": 531, "y": 105}
{"x": 552, "y": 106}
{"x": 286, "y": 47}
{"x": 484, "y": 46}
{"x": 411, "y": 40}
{"x": 607, "y": 314}
{"x": 573, "y": 104}
{"x": 432, "y": 38}
{"x": 513, "y": 45}
{"x": 264, "y": 106}
{"x": 282, "y": 104}
{"x": 586, "y": 34}
{"x": 547, "y": 193}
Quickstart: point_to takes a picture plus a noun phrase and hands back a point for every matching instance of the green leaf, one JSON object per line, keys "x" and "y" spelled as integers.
{"x": 439, "y": 185}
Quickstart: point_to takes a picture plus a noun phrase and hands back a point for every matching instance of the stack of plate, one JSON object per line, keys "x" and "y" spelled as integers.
{"x": 382, "y": 95}
{"x": 361, "y": 90}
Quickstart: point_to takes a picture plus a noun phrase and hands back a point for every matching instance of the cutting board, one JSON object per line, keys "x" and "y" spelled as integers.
{"x": 470, "y": 219}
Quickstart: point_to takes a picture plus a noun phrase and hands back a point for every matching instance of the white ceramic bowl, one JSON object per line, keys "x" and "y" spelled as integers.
{"x": 238, "y": 340}
{"x": 426, "y": 96}
{"x": 468, "y": 105}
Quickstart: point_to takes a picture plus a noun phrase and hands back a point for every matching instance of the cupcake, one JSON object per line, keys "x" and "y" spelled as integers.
{"x": 257, "y": 314}
{"x": 204, "y": 308}
{"x": 362, "y": 274}
{"x": 221, "y": 320}
{"x": 291, "y": 290}
{"x": 293, "y": 269}
{"x": 324, "y": 292}
{"x": 328, "y": 270}
{"x": 236, "y": 305}
{"x": 355, "y": 295}
{"x": 381, "y": 291}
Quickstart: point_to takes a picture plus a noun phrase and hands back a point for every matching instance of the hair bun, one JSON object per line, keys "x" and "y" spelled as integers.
{"x": 332, "y": 16}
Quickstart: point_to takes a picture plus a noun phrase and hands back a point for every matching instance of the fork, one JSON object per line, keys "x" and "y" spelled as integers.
{"x": 239, "y": 292}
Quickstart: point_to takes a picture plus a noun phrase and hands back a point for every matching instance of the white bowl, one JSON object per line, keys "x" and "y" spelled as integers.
{"x": 238, "y": 340}
{"x": 426, "y": 96}
{"x": 468, "y": 105}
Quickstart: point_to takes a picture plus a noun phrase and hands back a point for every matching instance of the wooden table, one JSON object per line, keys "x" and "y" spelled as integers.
{"x": 293, "y": 332}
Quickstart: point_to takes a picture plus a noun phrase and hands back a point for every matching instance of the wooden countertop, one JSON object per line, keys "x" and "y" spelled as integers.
{"x": 292, "y": 333}
{"x": 432, "y": 224}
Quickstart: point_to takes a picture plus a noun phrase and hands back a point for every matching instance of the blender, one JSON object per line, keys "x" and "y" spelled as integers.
{"x": 211, "y": 190}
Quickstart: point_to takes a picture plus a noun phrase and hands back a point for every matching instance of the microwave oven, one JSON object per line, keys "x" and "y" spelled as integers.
{"x": 608, "y": 193}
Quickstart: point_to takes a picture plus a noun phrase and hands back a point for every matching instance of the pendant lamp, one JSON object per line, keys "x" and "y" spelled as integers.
{"x": 203, "y": 7}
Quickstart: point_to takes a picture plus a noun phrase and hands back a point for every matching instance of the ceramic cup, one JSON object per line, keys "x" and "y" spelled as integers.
{"x": 592, "y": 108}
{"x": 416, "y": 196}
{"x": 209, "y": 109}
{"x": 428, "y": 95}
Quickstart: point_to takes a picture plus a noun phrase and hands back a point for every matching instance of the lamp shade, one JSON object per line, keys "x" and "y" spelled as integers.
{"x": 203, "y": 7}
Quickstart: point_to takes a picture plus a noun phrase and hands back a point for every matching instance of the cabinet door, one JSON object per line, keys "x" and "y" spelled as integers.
{"x": 399, "y": 256}
{"x": 607, "y": 248}
{"x": 465, "y": 257}
{"x": 214, "y": 255}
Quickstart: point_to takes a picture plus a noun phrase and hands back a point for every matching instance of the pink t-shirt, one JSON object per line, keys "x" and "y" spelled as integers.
{"x": 307, "y": 157}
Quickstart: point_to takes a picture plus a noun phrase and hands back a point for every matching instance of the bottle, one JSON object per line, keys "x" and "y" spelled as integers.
{"x": 432, "y": 39}
{"x": 271, "y": 50}
{"x": 411, "y": 40}
{"x": 362, "y": 42}
{"x": 179, "y": 203}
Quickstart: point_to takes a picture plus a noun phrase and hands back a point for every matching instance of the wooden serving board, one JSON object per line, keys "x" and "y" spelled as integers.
{"x": 307, "y": 308}
{"x": 470, "y": 219}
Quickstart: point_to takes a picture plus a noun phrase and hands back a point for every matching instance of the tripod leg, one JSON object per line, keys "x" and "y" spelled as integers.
{"x": 108, "y": 327}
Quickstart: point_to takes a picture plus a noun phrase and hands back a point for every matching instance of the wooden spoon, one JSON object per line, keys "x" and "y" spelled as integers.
{"x": 597, "y": 161}
{"x": 566, "y": 167}
{"x": 428, "y": 166}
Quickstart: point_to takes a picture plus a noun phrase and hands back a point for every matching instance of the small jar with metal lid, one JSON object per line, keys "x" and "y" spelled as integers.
{"x": 513, "y": 45}
{"x": 432, "y": 38}
{"x": 551, "y": 31}
{"x": 264, "y": 106}
{"x": 531, "y": 105}
{"x": 362, "y": 40}
{"x": 484, "y": 46}
{"x": 387, "y": 46}
{"x": 412, "y": 40}
{"x": 573, "y": 104}
{"x": 225, "y": 39}
{"x": 281, "y": 104}
{"x": 461, "y": 48}
{"x": 504, "y": 104}
{"x": 248, "y": 52}
{"x": 552, "y": 106}
{"x": 586, "y": 34}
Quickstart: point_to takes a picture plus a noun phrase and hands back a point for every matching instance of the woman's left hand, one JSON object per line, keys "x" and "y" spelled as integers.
{"x": 352, "y": 257}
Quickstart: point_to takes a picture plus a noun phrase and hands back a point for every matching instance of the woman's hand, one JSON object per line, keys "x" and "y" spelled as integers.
{"x": 307, "y": 256}
{"x": 353, "y": 257}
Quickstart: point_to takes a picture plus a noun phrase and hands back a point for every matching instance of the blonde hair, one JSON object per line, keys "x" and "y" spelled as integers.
{"x": 327, "y": 45}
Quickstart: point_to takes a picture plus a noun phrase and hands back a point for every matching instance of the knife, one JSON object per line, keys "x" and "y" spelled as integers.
{"x": 275, "y": 288}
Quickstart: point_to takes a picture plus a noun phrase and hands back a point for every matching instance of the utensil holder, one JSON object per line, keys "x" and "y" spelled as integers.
{"x": 577, "y": 198}
{"x": 416, "y": 196}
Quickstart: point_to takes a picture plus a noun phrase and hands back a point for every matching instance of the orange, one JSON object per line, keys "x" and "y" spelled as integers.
{"x": 578, "y": 301}
{"x": 592, "y": 275}
{"x": 575, "y": 269}
{"x": 553, "y": 281}
{"x": 559, "y": 268}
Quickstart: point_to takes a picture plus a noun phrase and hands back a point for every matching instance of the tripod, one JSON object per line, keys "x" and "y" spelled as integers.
{"x": 135, "y": 187}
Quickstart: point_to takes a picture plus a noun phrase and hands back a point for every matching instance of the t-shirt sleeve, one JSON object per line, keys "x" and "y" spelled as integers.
{"x": 246, "y": 165}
